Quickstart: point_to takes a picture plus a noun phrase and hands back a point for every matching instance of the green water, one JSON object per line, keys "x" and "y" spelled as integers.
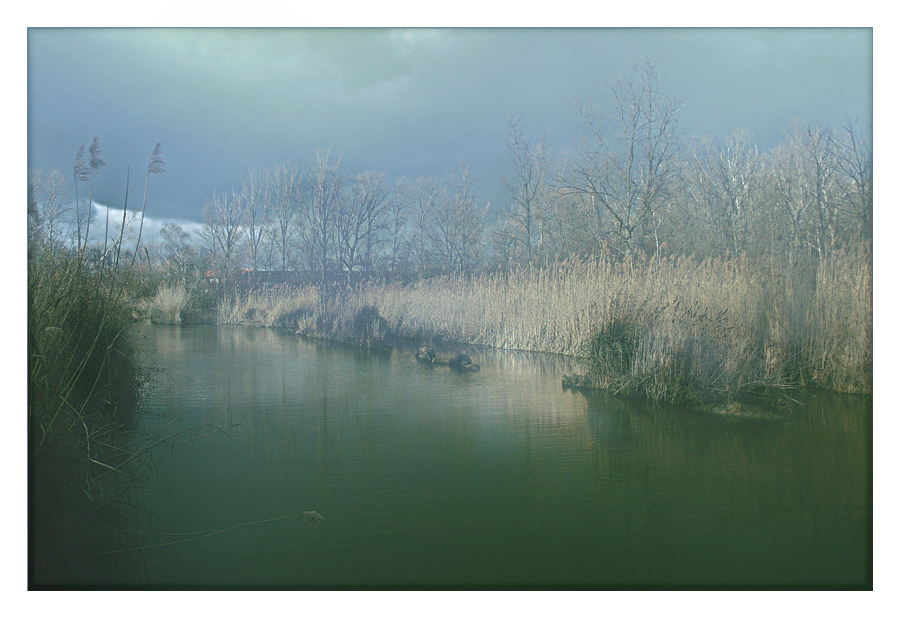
{"x": 498, "y": 479}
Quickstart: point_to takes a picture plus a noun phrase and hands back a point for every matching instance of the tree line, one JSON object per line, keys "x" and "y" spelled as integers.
{"x": 631, "y": 184}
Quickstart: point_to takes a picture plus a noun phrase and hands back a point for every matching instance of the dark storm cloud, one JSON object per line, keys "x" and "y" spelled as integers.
{"x": 400, "y": 101}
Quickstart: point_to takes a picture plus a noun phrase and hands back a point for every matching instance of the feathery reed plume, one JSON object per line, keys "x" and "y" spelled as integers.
{"x": 95, "y": 164}
{"x": 81, "y": 172}
{"x": 156, "y": 165}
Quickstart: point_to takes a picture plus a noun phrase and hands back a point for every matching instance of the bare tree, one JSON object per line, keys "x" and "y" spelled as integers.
{"x": 628, "y": 164}
{"x": 398, "y": 213}
{"x": 284, "y": 181}
{"x": 723, "y": 185}
{"x": 854, "y": 162}
{"x": 177, "y": 251}
{"x": 324, "y": 188}
{"x": 34, "y": 214}
{"x": 425, "y": 193}
{"x": 256, "y": 202}
{"x": 223, "y": 230}
{"x": 803, "y": 183}
{"x": 528, "y": 190}
{"x": 458, "y": 223}
{"x": 47, "y": 196}
{"x": 360, "y": 220}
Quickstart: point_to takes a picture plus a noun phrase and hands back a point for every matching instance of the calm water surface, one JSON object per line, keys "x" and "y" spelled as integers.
{"x": 435, "y": 479}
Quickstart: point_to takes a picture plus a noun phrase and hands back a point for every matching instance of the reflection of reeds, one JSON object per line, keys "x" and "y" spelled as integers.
{"x": 668, "y": 329}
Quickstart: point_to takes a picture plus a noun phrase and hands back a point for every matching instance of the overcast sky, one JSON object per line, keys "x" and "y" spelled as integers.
{"x": 406, "y": 101}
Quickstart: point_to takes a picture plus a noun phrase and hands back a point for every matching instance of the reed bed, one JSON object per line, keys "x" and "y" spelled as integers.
{"x": 279, "y": 307}
{"x": 676, "y": 329}
{"x": 83, "y": 383}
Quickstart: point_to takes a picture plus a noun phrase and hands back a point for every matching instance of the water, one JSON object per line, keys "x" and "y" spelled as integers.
{"x": 429, "y": 478}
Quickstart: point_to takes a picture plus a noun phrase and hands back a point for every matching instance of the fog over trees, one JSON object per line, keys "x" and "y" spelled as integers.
{"x": 632, "y": 184}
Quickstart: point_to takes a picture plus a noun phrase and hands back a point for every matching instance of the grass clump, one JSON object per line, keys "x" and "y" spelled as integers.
{"x": 169, "y": 303}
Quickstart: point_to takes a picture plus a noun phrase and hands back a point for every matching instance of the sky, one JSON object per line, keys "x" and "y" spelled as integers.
{"x": 406, "y": 102}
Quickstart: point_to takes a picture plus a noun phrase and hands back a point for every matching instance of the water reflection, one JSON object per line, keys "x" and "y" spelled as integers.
{"x": 429, "y": 477}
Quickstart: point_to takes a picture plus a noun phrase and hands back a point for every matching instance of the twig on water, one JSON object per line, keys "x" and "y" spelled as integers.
{"x": 310, "y": 517}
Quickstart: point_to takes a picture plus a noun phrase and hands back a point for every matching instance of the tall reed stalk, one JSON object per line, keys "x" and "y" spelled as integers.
{"x": 83, "y": 385}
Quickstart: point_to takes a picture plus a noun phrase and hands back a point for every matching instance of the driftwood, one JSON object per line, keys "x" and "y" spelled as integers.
{"x": 460, "y": 362}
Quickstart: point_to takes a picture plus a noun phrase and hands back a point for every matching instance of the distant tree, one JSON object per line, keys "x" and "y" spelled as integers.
{"x": 459, "y": 223}
{"x": 47, "y": 207}
{"x": 804, "y": 190}
{"x": 361, "y": 220}
{"x": 34, "y": 214}
{"x": 529, "y": 192}
{"x": 324, "y": 187}
{"x": 627, "y": 166}
{"x": 724, "y": 186}
{"x": 579, "y": 227}
{"x": 504, "y": 239}
{"x": 284, "y": 182}
{"x": 398, "y": 213}
{"x": 425, "y": 193}
{"x": 223, "y": 230}
{"x": 256, "y": 201}
{"x": 854, "y": 164}
{"x": 178, "y": 252}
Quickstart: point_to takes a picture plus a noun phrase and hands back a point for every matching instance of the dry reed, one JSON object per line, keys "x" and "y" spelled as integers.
{"x": 671, "y": 329}
{"x": 169, "y": 303}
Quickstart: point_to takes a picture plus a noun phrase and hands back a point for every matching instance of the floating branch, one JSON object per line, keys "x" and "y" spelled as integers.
{"x": 313, "y": 519}
{"x": 310, "y": 517}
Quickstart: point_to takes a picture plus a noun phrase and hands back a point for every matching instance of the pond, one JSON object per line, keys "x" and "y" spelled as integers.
{"x": 430, "y": 478}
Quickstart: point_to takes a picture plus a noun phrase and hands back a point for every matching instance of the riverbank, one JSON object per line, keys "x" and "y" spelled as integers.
{"x": 679, "y": 330}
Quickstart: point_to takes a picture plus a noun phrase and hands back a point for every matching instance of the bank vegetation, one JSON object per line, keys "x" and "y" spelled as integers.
{"x": 679, "y": 268}
{"x": 84, "y": 383}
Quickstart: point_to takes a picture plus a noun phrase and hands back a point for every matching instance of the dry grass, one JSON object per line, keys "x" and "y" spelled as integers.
{"x": 281, "y": 307}
{"x": 675, "y": 329}
{"x": 169, "y": 303}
